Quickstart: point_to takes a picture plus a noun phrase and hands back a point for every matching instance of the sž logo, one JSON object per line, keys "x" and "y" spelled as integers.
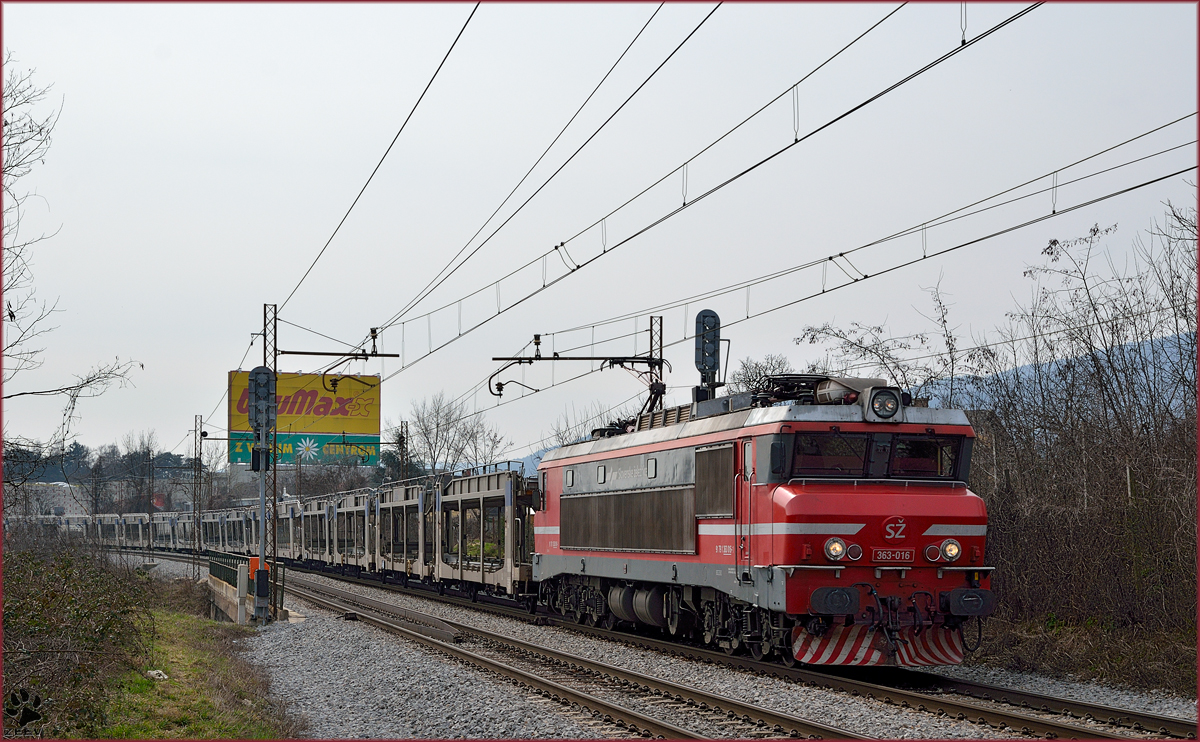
{"x": 893, "y": 528}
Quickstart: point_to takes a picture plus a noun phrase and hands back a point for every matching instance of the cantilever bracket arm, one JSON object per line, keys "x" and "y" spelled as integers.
{"x": 499, "y": 385}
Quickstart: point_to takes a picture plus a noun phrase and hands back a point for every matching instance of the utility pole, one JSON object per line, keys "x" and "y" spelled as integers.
{"x": 198, "y": 435}
{"x": 150, "y": 499}
{"x": 403, "y": 449}
{"x": 658, "y": 388}
{"x": 271, "y": 361}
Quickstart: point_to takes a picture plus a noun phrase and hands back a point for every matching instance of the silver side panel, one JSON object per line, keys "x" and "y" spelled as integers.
{"x": 768, "y": 589}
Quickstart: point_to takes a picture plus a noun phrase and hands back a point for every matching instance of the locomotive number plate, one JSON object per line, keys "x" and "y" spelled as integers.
{"x": 893, "y": 555}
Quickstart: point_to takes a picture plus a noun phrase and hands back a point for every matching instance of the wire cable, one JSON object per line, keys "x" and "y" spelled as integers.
{"x": 395, "y": 318}
{"x": 431, "y": 285}
{"x": 381, "y": 159}
{"x": 727, "y": 182}
{"x": 792, "y": 87}
{"x": 319, "y": 334}
{"x": 901, "y": 265}
{"x": 936, "y": 222}
{"x": 716, "y": 188}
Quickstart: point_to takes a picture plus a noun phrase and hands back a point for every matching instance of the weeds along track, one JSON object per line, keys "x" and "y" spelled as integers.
{"x": 1021, "y": 712}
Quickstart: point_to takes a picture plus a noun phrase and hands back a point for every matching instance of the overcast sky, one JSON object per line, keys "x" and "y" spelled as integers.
{"x": 205, "y": 154}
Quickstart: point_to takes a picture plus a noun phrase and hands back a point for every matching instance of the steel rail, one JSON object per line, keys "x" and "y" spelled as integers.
{"x": 632, "y": 719}
{"x": 1001, "y": 719}
{"x": 1134, "y": 720}
{"x": 1137, "y": 720}
{"x": 778, "y": 720}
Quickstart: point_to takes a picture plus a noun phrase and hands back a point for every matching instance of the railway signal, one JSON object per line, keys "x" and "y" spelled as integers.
{"x": 261, "y": 412}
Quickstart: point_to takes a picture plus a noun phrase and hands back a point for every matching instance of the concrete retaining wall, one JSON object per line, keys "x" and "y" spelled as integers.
{"x": 228, "y": 602}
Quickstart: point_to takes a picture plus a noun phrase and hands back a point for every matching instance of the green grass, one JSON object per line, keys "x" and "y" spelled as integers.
{"x": 210, "y": 693}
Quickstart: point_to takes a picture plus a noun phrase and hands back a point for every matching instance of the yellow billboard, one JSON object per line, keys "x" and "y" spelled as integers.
{"x": 318, "y": 418}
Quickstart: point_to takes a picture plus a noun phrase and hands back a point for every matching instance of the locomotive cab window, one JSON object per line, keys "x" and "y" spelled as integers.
{"x": 830, "y": 455}
{"x": 569, "y": 478}
{"x": 651, "y": 468}
{"x": 878, "y": 455}
{"x": 600, "y": 474}
{"x": 925, "y": 456}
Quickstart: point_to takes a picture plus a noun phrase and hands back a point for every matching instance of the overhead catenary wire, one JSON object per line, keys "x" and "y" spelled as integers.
{"x": 908, "y": 263}
{"x": 319, "y": 334}
{"x": 439, "y": 278}
{"x": 396, "y": 317}
{"x": 690, "y": 204}
{"x": 947, "y": 218}
{"x": 538, "y": 444}
{"x": 712, "y": 144}
{"x": 943, "y": 219}
{"x": 381, "y": 159}
{"x": 874, "y": 275}
{"x": 711, "y": 191}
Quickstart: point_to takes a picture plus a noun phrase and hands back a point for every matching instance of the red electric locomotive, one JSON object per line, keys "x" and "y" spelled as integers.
{"x": 834, "y": 530}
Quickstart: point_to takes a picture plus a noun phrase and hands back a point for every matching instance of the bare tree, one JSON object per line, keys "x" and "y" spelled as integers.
{"x": 484, "y": 443}
{"x": 437, "y": 437}
{"x": 137, "y": 454}
{"x": 577, "y": 423}
{"x": 27, "y": 134}
{"x": 752, "y": 374}
{"x": 338, "y": 476}
{"x": 1085, "y": 407}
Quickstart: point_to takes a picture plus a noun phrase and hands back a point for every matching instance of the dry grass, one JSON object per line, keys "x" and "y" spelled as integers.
{"x": 1131, "y": 656}
{"x": 210, "y": 693}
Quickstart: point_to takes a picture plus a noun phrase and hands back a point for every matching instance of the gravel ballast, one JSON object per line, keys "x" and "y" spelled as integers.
{"x": 829, "y": 707}
{"x": 404, "y": 681}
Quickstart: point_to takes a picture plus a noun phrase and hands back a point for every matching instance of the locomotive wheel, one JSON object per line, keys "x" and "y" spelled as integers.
{"x": 734, "y": 645}
{"x": 759, "y": 649}
{"x": 609, "y": 621}
{"x": 590, "y": 619}
{"x": 710, "y": 623}
{"x": 787, "y": 658}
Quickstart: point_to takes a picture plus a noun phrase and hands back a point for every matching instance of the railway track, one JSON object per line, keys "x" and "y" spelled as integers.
{"x": 1019, "y": 711}
{"x": 998, "y": 707}
{"x": 603, "y": 689}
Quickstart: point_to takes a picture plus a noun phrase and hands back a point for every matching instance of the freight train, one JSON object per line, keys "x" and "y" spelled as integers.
{"x": 816, "y": 520}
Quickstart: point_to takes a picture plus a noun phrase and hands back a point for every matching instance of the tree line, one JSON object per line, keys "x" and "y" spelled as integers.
{"x": 1084, "y": 403}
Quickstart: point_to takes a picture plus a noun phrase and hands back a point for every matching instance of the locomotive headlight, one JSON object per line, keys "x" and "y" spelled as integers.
{"x": 885, "y": 403}
{"x": 951, "y": 550}
{"x": 835, "y": 548}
